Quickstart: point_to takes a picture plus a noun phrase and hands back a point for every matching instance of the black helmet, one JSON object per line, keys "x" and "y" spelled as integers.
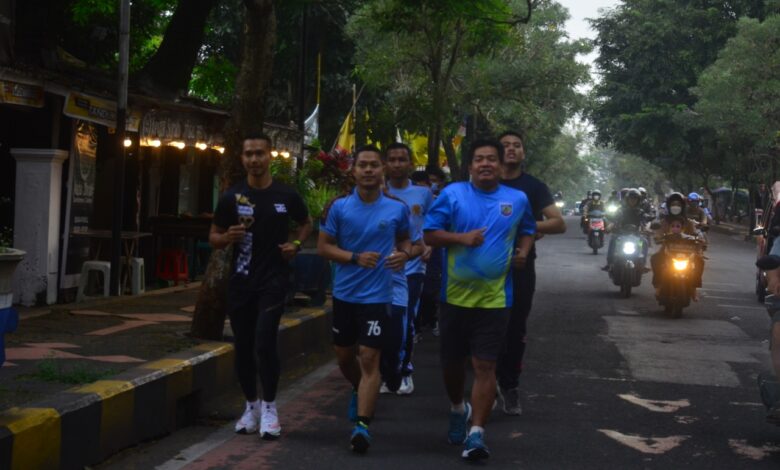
{"x": 589, "y": 194}
{"x": 676, "y": 197}
{"x": 633, "y": 193}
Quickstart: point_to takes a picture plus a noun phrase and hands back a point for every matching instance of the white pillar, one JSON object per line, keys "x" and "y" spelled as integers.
{"x": 37, "y": 205}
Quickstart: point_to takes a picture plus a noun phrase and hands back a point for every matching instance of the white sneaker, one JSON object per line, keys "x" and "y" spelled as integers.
{"x": 407, "y": 386}
{"x": 250, "y": 420}
{"x": 269, "y": 427}
{"x": 383, "y": 389}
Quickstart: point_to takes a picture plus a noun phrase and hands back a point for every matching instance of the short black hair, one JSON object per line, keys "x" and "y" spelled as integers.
{"x": 437, "y": 172}
{"x": 366, "y": 148}
{"x": 486, "y": 143}
{"x": 398, "y": 145}
{"x": 420, "y": 176}
{"x": 258, "y": 136}
{"x": 517, "y": 134}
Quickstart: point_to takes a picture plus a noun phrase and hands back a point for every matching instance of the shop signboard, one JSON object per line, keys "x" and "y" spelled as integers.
{"x": 21, "y": 94}
{"x": 98, "y": 110}
{"x": 80, "y": 202}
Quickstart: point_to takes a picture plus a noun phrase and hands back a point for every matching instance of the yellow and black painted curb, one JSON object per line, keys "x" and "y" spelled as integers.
{"x": 85, "y": 425}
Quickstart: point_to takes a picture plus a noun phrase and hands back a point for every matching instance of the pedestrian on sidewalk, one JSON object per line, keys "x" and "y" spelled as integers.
{"x": 398, "y": 161}
{"x": 549, "y": 220}
{"x": 254, "y": 216}
{"x": 366, "y": 232}
{"x": 485, "y": 227}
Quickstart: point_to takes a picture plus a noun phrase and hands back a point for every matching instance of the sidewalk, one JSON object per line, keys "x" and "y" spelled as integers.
{"x": 82, "y": 381}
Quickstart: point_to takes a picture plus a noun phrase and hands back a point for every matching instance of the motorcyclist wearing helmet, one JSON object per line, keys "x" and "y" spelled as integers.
{"x": 675, "y": 221}
{"x": 595, "y": 204}
{"x": 694, "y": 210}
{"x": 582, "y": 206}
{"x": 647, "y": 204}
{"x": 630, "y": 213}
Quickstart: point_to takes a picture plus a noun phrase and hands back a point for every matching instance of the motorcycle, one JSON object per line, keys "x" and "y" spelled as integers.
{"x": 768, "y": 385}
{"x": 682, "y": 253}
{"x": 596, "y": 229}
{"x": 628, "y": 260}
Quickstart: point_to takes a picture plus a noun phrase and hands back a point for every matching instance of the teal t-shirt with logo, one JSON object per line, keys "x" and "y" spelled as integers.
{"x": 480, "y": 277}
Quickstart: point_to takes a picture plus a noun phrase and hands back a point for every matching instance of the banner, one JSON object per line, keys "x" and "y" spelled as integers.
{"x": 97, "y": 110}
{"x": 21, "y": 94}
{"x": 81, "y": 197}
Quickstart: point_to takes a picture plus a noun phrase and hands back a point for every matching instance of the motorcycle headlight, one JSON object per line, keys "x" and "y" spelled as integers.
{"x": 559, "y": 203}
{"x": 629, "y": 248}
{"x": 680, "y": 264}
{"x": 612, "y": 208}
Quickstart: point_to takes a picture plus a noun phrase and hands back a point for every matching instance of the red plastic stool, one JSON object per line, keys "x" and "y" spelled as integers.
{"x": 172, "y": 266}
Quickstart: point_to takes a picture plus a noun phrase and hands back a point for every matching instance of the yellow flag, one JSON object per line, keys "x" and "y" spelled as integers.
{"x": 346, "y": 138}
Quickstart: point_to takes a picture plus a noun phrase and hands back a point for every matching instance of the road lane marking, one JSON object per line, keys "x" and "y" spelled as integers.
{"x": 628, "y": 312}
{"x": 746, "y": 403}
{"x": 708, "y": 296}
{"x": 741, "y": 447}
{"x": 660, "y": 406}
{"x": 646, "y": 445}
{"x": 746, "y": 307}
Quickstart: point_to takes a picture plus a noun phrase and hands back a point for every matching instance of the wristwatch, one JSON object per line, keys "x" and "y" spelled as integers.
{"x": 297, "y": 244}
{"x": 354, "y": 259}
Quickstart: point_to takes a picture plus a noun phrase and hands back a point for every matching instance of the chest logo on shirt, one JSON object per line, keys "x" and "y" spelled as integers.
{"x": 383, "y": 224}
{"x": 280, "y": 208}
{"x": 246, "y": 211}
{"x": 506, "y": 208}
{"x": 417, "y": 209}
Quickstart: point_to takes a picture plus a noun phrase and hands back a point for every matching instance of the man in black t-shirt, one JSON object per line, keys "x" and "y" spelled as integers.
{"x": 548, "y": 221}
{"x": 254, "y": 216}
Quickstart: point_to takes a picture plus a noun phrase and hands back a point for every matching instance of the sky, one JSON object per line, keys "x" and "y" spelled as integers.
{"x": 577, "y": 26}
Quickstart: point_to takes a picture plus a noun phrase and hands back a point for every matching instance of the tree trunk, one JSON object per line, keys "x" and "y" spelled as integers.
{"x": 170, "y": 68}
{"x": 452, "y": 159}
{"x": 247, "y": 116}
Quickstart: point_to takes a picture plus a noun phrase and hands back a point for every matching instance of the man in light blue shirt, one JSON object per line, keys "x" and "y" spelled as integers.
{"x": 485, "y": 228}
{"x": 367, "y": 234}
{"x": 398, "y": 167}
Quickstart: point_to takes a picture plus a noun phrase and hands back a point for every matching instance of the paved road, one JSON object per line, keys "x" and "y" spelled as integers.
{"x": 609, "y": 383}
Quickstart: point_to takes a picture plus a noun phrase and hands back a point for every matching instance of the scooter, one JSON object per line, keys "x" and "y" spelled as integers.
{"x": 596, "y": 229}
{"x": 628, "y": 260}
{"x": 683, "y": 252}
{"x": 768, "y": 385}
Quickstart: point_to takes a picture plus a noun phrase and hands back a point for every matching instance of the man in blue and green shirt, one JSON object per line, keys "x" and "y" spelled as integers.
{"x": 486, "y": 228}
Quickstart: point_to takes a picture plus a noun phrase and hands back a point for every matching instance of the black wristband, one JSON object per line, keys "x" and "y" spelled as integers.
{"x": 354, "y": 259}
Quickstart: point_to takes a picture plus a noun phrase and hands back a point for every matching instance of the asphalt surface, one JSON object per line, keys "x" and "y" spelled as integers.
{"x": 609, "y": 383}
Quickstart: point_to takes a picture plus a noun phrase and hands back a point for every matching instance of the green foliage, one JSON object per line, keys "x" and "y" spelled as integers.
{"x": 213, "y": 80}
{"x": 651, "y": 54}
{"x": 429, "y": 64}
{"x": 740, "y": 93}
{"x": 317, "y": 198}
{"x": 52, "y": 370}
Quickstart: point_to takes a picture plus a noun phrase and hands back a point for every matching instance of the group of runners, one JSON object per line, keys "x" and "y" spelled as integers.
{"x": 382, "y": 236}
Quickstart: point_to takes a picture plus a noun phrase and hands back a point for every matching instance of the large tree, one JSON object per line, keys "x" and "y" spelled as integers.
{"x": 413, "y": 50}
{"x": 651, "y": 53}
{"x": 739, "y": 95}
{"x": 247, "y": 116}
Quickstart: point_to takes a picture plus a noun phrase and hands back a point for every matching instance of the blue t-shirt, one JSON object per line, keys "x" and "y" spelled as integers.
{"x": 359, "y": 227}
{"x": 419, "y": 200}
{"x": 480, "y": 276}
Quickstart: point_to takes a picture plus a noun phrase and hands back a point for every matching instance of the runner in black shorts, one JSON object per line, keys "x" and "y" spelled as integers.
{"x": 366, "y": 232}
{"x": 484, "y": 227}
{"x": 255, "y": 217}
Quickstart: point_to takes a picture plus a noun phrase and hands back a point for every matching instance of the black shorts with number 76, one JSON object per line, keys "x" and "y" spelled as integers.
{"x": 363, "y": 324}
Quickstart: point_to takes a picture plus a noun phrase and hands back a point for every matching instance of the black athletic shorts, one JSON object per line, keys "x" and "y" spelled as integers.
{"x": 479, "y": 332}
{"x": 362, "y": 324}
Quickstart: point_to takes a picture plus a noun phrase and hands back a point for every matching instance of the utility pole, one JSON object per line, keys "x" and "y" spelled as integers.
{"x": 119, "y": 158}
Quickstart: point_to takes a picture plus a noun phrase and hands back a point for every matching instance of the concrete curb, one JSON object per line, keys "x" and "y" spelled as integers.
{"x": 87, "y": 424}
